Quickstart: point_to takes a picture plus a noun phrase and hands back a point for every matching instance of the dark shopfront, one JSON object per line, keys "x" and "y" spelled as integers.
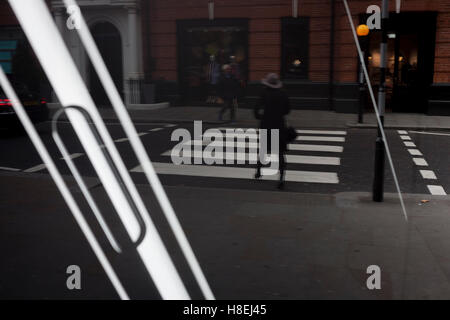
{"x": 411, "y": 51}
{"x": 204, "y": 46}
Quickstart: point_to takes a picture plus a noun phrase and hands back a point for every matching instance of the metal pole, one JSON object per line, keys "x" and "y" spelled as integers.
{"x": 362, "y": 96}
{"x": 378, "y": 182}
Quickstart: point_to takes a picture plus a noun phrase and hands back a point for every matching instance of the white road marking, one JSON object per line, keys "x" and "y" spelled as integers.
{"x": 250, "y": 135}
{"x": 142, "y": 134}
{"x": 437, "y": 190}
{"x": 432, "y": 133}
{"x": 240, "y": 173}
{"x": 74, "y": 156}
{"x": 155, "y": 129}
{"x": 331, "y": 161}
{"x": 428, "y": 174}
{"x": 318, "y": 138}
{"x": 338, "y": 133}
{"x": 402, "y": 132}
{"x": 9, "y": 169}
{"x": 170, "y": 125}
{"x": 420, "y": 162}
{"x": 409, "y": 143}
{"x": 314, "y": 147}
{"x": 253, "y": 137}
{"x": 331, "y": 132}
{"x": 253, "y": 156}
{"x": 35, "y": 168}
{"x": 255, "y": 146}
{"x": 405, "y": 137}
{"x": 415, "y": 152}
{"x": 121, "y": 140}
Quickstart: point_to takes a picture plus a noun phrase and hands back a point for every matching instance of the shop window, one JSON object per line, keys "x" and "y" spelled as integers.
{"x": 295, "y": 48}
{"x": 204, "y": 48}
{"x": 7, "y": 49}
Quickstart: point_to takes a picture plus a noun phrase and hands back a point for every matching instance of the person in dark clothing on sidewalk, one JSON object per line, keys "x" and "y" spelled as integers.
{"x": 275, "y": 105}
{"x": 229, "y": 88}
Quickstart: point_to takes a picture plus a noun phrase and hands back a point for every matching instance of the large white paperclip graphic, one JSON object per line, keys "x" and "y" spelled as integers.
{"x": 49, "y": 47}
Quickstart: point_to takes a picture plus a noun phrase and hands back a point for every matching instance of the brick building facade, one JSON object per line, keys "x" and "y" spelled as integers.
{"x": 332, "y": 53}
{"x": 263, "y": 34}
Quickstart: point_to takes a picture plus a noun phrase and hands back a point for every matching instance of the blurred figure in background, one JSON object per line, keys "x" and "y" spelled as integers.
{"x": 213, "y": 75}
{"x": 275, "y": 105}
{"x": 229, "y": 89}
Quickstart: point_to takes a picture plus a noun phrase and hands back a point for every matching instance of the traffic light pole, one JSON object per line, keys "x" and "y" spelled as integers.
{"x": 378, "y": 182}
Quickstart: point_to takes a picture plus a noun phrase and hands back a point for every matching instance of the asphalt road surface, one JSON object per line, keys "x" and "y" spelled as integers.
{"x": 252, "y": 240}
{"x": 320, "y": 161}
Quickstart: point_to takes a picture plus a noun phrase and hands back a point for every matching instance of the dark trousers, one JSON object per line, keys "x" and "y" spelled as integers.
{"x": 282, "y": 152}
{"x": 229, "y": 104}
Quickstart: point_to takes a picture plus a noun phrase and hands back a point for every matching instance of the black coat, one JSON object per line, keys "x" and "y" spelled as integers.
{"x": 228, "y": 87}
{"x": 275, "y": 106}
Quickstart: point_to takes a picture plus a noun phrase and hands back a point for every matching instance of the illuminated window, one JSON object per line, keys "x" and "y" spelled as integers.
{"x": 295, "y": 48}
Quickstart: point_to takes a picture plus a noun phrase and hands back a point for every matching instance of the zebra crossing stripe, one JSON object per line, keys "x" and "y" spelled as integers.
{"x": 74, "y": 156}
{"x": 9, "y": 169}
{"x": 420, "y": 162}
{"x": 330, "y": 132}
{"x": 314, "y": 147}
{"x": 428, "y": 174}
{"x": 320, "y": 138}
{"x": 254, "y": 145}
{"x": 253, "y": 156}
{"x": 409, "y": 144}
{"x": 240, "y": 173}
{"x": 437, "y": 190}
{"x": 338, "y": 133}
{"x": 37, "y": 168}
{"x": 415, "y": 152}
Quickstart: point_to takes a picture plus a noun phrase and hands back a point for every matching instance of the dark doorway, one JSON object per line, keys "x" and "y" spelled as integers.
{"x": 410, "y": 69}
{"x": 204, "y": 47}
{"x": 109, "y": 43}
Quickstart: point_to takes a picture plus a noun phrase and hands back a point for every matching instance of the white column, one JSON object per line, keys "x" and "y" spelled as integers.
{"x": 133, "y": 43}
{"x": 133, "y": 77}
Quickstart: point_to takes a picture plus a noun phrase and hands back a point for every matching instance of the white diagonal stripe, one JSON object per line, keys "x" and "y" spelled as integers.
{"x": 409, "y": 143}
{"x": 437, "y": 190}
{"x": 240, "y": 173}
{"x": 402, "y": 132}
{"x": 428, "y": 174}
{"x": 420, "y": 162}
{"x": 415, "y": 152}
{"x": 405, "y": 137}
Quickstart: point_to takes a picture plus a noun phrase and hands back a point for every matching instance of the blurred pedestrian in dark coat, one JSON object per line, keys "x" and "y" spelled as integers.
{"x": 229, "y": 89}
{"x": 274, "y": 103}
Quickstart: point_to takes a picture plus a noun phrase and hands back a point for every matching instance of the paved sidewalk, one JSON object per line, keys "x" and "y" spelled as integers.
{"x": 297, "y": 118}
{"x": 251, "y": 244}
